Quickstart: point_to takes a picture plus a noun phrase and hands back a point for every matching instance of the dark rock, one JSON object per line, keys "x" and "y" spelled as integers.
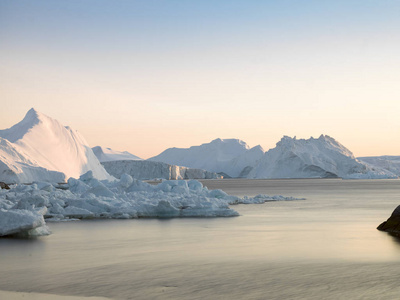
{"x": 392, "y": 225}
{"x": 245, "y": 172}
{"x": 4, "y": 185}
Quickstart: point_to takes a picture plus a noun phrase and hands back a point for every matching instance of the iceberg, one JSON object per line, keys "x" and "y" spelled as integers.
{"x": 313, "y": 158}
{"x": 22, "y": 222}
{"x": 144, "y": 169}
{"x": 229, "y": 156}
{"x": 385, "y": 162}
{"x": 40, "y": 148}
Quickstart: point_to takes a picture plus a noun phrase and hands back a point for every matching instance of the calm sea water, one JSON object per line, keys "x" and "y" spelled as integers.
{"x": 325, "y": 247}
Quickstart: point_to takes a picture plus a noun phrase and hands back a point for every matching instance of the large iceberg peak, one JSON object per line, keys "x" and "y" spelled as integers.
{"x": 17, "y": 131}
{"x": 49, "y": 146}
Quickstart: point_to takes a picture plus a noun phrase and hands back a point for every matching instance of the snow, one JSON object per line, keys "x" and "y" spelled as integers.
{"x": 23, "y": 206}
{"x": 107, "y": 154}
{"x": 313, "y": 158}
{"x": 41, "y": 148}
{"x": 145, "y": 169}
{"x": 229, "y": 156}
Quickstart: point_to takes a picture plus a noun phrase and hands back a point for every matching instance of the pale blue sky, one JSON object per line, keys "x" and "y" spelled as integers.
{"x": 146, "y": 75}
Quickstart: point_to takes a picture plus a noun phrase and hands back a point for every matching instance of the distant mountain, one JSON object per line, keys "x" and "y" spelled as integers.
{"x": 107, "y": 154}
{"x": 229, "y": 156}
{"x": 386, "y": 162}
{"x": 313, "y": 158}
{"x": 41, "y": 148}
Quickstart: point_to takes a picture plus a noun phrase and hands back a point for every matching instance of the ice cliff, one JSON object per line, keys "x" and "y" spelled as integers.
{"x": 144, "y": 169}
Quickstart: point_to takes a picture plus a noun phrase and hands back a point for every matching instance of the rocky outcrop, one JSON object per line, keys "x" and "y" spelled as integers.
{"x": 392, "y": 225}
{"x": 4, "y": 185}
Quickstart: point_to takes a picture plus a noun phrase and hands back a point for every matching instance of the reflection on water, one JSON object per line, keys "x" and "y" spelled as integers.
{"x": 326, "y": 247}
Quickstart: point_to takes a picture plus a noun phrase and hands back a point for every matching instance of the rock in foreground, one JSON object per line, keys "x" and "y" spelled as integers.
{"x": 392, "y": 225}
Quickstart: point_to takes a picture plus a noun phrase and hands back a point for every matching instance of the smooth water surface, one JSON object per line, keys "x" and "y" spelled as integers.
{"x": 324, "y": 247}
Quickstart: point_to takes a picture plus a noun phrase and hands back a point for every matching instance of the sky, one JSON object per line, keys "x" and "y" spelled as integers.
{"x": 143, "y": 76}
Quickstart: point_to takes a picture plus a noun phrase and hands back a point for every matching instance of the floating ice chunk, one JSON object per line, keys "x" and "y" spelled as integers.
{"x": 76, "y": 212}
{"x": 259, "y": 199}
{"x": 164, "y": 209}
{"x": 86, "y": 177}
{"x": 77, "y": 186}
{"x": 217, "y": 194}
{"x": 15, "y": 221}
{"x": 100, "y": 191}
{"x": 125, "y": 181}
{"x": 138, "y": 186}
{"x": 32, "y": 200}
{"x": 195, "y": 185}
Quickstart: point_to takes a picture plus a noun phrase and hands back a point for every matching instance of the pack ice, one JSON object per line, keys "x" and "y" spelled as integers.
{"x": 24, "y": 208}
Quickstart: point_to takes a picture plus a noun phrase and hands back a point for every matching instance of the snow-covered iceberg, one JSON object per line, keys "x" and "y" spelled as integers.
{"x": 107, "y": 154}
{"x": 229, "y": 156}
{"x": 313, "y": 158}
{"x": 145, "y": 169}
{"x": 17, "y": 166}
{"x": 40, "y": 148}
{"x": 88, "y": 197}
